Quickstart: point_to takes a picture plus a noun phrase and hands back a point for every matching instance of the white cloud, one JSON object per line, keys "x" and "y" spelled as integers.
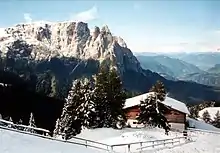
{"x": 27, "y": 18}
{"x": 85, "y": 16}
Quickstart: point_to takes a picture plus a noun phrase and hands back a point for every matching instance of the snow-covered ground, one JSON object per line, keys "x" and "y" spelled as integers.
{"x": 13, "y": 142}
{"x": 212, "y": 111}
{"x": 204, "y": 143}
{"x": 128, "y": 135}
{"x": 202, "y": 125}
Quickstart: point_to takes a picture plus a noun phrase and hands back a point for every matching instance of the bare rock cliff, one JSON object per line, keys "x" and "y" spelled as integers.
{"x": 67, "y": 39}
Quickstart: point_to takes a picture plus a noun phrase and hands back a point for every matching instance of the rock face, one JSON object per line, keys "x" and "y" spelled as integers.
{"x": 68, "y": 39}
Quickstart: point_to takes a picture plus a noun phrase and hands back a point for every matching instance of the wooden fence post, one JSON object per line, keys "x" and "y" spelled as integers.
{"x": 140, "y": 147}
{"x": 129, "y": 148}
{"x": 86, "y": 143}
{"x": 112, "y": 148}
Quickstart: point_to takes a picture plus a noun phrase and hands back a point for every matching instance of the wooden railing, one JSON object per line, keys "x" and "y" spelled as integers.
{"x": 140, "y": 146}
{"x": 8, "y": 123}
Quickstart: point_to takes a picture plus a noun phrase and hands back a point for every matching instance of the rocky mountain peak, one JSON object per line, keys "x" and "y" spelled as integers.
{"x": 106, "y": 30}
{"x": 69, "y": 39}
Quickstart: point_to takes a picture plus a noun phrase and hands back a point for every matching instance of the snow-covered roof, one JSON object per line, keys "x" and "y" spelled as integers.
{"x": 173, "y": 103}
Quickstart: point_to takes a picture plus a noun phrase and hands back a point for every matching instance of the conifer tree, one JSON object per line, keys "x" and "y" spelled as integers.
{"x": 109, "y": 98}
{"x": 31, "y": 124}
{"x": 151, "y": 111}
{"x": 160, "y": 90}
{"x": 88, "y": 107}
{"x": 100, "y": 97}
{"x": 10, "y": 125}
{"x": 216, "y": 121}
{"x": 117, "y": 98}
{"x": 10, "y": 120}
{"x": 57, "y": 129}
{"x": 206, "y": 117}
{"x": 71, "y": 122}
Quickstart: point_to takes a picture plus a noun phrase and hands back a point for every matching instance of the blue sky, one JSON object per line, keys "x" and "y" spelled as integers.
{"x": 146, "y": 26}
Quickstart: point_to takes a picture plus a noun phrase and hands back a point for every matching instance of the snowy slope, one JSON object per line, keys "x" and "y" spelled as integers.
{"x": 212, "y": 111}
{"x": 201, "y": 125}
{"x": 13, "y": 142}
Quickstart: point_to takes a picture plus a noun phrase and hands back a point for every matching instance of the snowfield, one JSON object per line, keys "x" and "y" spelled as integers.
{"x": 14, "y": 142}
{"x": 212, "y": 111}
{"x": 201, "y": 125}
{"x": 112, "y": 136}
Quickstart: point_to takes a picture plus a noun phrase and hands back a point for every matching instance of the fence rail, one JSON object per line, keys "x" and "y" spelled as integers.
{"x": 139, "y": 146}
{"x": 23, "y": 126}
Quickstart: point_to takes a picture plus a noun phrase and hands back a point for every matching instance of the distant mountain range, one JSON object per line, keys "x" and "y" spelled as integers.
{"x": 167, "y": 65}
{"x": 202, "y": 60}
{"x": 215, "y": 69}
{"x": 211, "y": 77}
{"x": 202, "y": 68}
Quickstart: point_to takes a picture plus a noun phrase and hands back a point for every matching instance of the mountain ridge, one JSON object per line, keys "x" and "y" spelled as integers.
{"x": 65, "y": 51}
{"x": 167, "y": 65}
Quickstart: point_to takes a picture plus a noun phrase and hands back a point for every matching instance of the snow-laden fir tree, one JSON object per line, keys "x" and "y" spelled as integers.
{"x": 152, "y": 111}
{"x": 216, "y": 121}
{"x": 109, "y": 98}
{"x": 10, "y": 120}
{"x": 206, "y": 117}
{"x": 10, "y": 125}
{"x": 160, "y": 90}
{"x": 31, "y": 124}
{"x": 88, "y": 108}
{"x": 117, "y": 97}
{"x": 57, "y": 129}
{"x": 100, "y": 97}
{"x": 72, "y": 119}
